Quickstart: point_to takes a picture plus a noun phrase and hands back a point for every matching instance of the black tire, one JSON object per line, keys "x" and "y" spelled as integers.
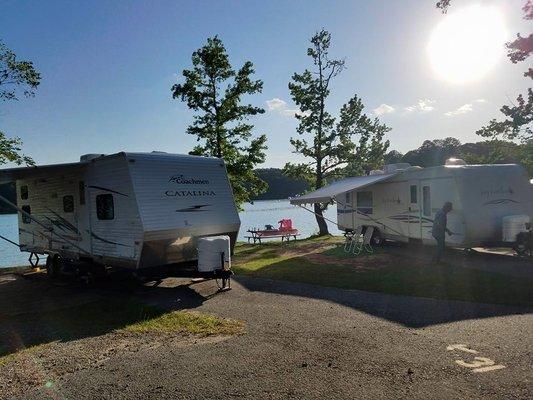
{"x": 53, "y": 266}
{"x": 377, "y": 239}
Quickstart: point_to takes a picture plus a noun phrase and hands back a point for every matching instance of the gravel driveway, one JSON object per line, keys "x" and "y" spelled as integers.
{"x": 307, "y": 342}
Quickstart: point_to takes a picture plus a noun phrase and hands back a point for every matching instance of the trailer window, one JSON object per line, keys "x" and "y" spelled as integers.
{"x": 426, "y": 198}
{"x": 24, "y": 192}
{"x": 105, "y": 209}
{"x": 414, "y": 194}
{"x": 364, "y": 202}
{"x": 348, "y": 199}
{"x": 25, "y": 218}
{"x": 81, "y": 186}
{"x": 68, "y": 204}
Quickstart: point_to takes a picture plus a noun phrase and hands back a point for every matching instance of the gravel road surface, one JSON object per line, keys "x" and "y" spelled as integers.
{"x": 308, "y": 342}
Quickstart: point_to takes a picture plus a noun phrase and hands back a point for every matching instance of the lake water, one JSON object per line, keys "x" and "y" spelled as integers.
{"x": 255, "y": 215}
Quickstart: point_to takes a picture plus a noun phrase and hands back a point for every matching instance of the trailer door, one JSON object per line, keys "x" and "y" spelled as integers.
{"x": 415, "y": 210}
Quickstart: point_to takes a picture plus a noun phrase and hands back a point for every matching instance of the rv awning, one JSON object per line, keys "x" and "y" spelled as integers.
{"x": 328, "y": 193}
{"x": 12, "y": 174}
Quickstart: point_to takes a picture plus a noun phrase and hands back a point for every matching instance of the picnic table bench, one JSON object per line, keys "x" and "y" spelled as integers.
{"x": 256, "y": 237}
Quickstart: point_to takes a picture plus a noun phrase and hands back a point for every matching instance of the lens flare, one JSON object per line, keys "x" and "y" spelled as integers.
{"x": 467, "y": 44}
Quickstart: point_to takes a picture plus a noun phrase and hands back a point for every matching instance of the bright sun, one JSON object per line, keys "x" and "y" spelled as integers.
{"x": 467, "y": 44}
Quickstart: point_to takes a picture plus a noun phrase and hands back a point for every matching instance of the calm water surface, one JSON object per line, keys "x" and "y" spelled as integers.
{"x": 255, "y": 215}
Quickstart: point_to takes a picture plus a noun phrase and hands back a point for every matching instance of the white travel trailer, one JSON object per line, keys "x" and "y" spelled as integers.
{"x": 132, "y": 210}
{"x": 400, "y": 201}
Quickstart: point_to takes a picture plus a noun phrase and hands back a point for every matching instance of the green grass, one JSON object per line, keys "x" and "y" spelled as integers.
{"x": 379, "y": 272}
{"x": 24, "y": 331}
{"x": 6, "y": 359}
{"x": 187, "y": 322}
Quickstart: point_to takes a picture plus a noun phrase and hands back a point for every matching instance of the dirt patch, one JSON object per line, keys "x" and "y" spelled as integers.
{"x": 306, "y": 249}
{"x": 46, "y": 365}
{"x": 375, "y": 261}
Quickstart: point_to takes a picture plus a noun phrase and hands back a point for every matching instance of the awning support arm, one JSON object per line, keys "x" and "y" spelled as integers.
{"x": 10, "y": 241}
{"x": 372, "y": 219}
{"x": 20, "y": 210}
{"x": 320, "y": 216}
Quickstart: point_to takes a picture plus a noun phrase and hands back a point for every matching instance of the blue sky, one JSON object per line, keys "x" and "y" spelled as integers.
{"x": 107, "y": 68}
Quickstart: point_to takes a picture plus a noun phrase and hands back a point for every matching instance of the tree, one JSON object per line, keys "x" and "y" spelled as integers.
{"x": 326, "y": 144}
{"x": 14, "y": 76}
{"x": 10, "y": 151}
{"x": 280, "y": 186}
{"x": 433, "y": 152}
{"x": 369, "y": 152}
{"x": 516, "y": 125}
{"x": 215, "y": 90}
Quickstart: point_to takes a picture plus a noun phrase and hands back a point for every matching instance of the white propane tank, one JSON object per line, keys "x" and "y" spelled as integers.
{"x": 513, "y": 225}
{"x": 210, "y": 251}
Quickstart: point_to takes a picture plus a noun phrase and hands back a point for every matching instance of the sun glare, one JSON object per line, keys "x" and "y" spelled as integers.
{"x": 467, "y": 44}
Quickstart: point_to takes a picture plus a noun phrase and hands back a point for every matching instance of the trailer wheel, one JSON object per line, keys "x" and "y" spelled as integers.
{"x": 53, "y": 266}
{"x": 377, "y": 239}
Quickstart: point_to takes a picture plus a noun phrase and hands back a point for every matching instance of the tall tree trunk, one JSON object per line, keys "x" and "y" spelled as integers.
{"x": 322, "y": 225}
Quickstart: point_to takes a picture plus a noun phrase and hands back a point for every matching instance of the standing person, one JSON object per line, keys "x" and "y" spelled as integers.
{"x": 439, "y": 229}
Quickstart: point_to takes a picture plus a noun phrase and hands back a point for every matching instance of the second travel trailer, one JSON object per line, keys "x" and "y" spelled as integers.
{"x": 129, "y": 210}
{"x": 400, "y": 202}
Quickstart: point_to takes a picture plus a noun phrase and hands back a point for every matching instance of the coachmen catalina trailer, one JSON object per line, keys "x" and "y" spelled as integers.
{"x": 400, "y": 202}
{"x": 130, "y": 210}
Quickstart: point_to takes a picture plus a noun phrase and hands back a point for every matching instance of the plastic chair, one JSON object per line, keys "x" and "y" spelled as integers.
{"x": 353, "y": 242}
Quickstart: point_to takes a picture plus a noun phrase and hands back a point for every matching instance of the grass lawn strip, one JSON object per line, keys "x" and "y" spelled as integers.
{"x": 325, "y": 263}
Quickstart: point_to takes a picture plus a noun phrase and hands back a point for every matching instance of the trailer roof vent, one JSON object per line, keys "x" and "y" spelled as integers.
{"x": 376, "y": 172}
{"x": 390, "y": 168}
{"x": 455, "y": 161}
{"x": 89, "y": 157}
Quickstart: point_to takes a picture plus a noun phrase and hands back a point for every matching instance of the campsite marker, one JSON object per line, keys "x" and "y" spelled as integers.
{"x": 480, "y": 364}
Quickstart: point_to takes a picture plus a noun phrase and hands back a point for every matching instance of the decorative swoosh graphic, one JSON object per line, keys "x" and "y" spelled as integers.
{"x": 196, "y": 208}
{"x": 62, "y": 222}
{"x": 107, "y": 190}
{"x": 94, "y": 235}
{"x": 500, "y": 201}
{"x": 411, "y": 219}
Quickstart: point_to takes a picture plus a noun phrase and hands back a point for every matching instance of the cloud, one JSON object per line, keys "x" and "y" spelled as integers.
{"x": 465, "y": 108}
{"x": 480, "y": 100}
{"x": 383, "y": 109}
{"x": 291, "y": 113}
{"x": 276, "y": 104}
{"x": 280, "y": 106}
{"x": 423, "y": 106}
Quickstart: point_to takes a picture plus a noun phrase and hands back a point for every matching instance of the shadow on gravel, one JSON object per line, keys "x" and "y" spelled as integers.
{"x": 34, "y": 310}
{"x": 413, "y": 312}
{"x": 426, "y": 294}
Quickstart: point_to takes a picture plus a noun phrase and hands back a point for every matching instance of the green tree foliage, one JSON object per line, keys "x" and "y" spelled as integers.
{"x": 436, "y": 152}
{"x": 215, "y": 90}
{"x": 15, "y": 76}
{"x": 327, "y": 144}
{"x": 518, "y": 122}
{"x": 10, "y": 151}
{"x": 280, "y": 186}
{"x": 433, "y": 152}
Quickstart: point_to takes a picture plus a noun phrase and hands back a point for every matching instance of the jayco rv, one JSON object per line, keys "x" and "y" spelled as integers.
{"x": 132, "y": 210}
{"x": 400, "y": 201}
